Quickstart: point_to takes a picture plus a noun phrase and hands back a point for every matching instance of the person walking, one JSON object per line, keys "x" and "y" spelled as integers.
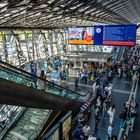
{"x": 86, "y": 131}
{"x": 79, "y": 133}
{"x": 97, "y": 119}
{"x": 135, "y": 77}
{"x": 123, "y": 117}
{"x": 41, "y": 81}
{"x": 119, "y": 72}
{"x": 110, "y": 131}
{"x": 76, "y": 82}
{"x": 111, "y": 113}
{"x": 104, "y": 109}
{"x": 98, "y": 102}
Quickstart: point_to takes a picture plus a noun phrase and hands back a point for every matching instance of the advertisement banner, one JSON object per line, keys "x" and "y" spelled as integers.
{"x": 66, "y": 127}
{"x": 53, "y": 134}
{"x": 81, "y": 35}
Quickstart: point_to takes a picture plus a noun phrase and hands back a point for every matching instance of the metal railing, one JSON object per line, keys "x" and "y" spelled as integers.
{"x": 127, "y": 128}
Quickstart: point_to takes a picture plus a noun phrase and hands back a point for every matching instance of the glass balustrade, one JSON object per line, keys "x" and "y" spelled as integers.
{"x": 25, "y": 78}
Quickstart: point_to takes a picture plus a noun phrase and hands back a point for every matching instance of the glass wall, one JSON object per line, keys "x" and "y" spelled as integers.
{"x": 20, "y": 47}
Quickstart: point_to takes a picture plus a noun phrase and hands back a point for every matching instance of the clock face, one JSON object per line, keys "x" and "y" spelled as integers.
{"x": 98, "y": 30}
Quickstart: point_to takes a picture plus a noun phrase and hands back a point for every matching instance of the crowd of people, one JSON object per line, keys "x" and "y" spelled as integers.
{"x": 101, "y": 78}
{"x": 102, "y": 89}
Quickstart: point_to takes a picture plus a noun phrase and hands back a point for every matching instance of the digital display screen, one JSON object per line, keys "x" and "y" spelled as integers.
{"x": 119, "y": 35}
{"x": 122, "y": 35}
{"x": 115, "y": 35}
{"x": 81, "y": 35}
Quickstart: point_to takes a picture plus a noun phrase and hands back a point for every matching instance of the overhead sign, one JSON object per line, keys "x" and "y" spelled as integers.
{"x": 122, "y": 35}
{"x": 115, "y": 35}
{"x": 81, "y": 35}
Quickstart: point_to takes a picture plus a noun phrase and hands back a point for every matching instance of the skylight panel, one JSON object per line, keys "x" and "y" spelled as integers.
{"x": 2, "y": 4}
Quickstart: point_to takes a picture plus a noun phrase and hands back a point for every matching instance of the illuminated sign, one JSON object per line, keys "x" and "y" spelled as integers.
{"x": 121, "y": 35}
{"x": 115, "y": 35}
{"x": 81, "y": 35}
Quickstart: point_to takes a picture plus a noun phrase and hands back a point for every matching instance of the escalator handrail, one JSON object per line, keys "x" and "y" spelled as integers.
{"x": 29, "y": 75}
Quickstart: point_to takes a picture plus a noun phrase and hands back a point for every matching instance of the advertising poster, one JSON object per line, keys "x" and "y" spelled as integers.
{"x": 66, "y": 127}
{"x": 81, "y": 35}
{"x": 54, "y": 135}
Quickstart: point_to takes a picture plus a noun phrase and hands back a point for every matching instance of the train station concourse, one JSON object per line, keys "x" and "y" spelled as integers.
{"x": 69, "y": 69}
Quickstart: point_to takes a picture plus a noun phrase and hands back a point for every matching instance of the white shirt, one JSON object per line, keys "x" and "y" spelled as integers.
{"x": 92, "y": 138}
{"x": 111, "y": 112}
{"x": 98, "y": 102}
{"x": 86, "y": 130}
{"x": 94, "y": 87}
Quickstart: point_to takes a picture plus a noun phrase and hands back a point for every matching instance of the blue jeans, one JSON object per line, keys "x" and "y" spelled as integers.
{"x": 122, "y": 123}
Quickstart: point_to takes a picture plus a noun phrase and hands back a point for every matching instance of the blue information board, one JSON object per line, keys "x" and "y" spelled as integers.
{"x": 122, "y": 35}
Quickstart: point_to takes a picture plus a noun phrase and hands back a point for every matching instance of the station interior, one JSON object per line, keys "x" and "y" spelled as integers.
{"x": 69, "y": 69}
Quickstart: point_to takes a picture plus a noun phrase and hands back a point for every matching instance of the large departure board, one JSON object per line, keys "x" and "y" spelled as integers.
{"x": 122, "y": 35}
{"x": 119, "y": 35}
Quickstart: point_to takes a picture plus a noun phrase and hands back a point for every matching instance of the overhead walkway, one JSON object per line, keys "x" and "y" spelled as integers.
{"x": 18, "y": 87}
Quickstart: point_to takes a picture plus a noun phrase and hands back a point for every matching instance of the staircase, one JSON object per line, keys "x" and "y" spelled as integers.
{"x": 30, "y": 125}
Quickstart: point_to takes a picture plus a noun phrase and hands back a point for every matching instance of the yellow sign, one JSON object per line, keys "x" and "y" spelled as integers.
{"x": 81, "y": 42}
{"x": 66, "y": 128}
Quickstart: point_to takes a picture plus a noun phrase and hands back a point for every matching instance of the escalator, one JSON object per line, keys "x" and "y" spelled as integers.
{"x": 120, "y": 53}
{"x": 30, "y": 125}
{"x": 18, "y": 87}
{"x": 8, "y": 115}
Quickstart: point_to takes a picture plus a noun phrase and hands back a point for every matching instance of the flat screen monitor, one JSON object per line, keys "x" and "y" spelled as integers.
{"x": 81, "y": 35}
{"x": 116, "y": 35}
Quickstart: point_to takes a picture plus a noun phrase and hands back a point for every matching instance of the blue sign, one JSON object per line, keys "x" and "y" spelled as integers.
{"x": 98, "y": 35}
{"x": 122, "y": 35}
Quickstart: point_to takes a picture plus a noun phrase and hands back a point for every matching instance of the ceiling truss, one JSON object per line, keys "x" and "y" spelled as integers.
{"x": 64, "y": 13}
